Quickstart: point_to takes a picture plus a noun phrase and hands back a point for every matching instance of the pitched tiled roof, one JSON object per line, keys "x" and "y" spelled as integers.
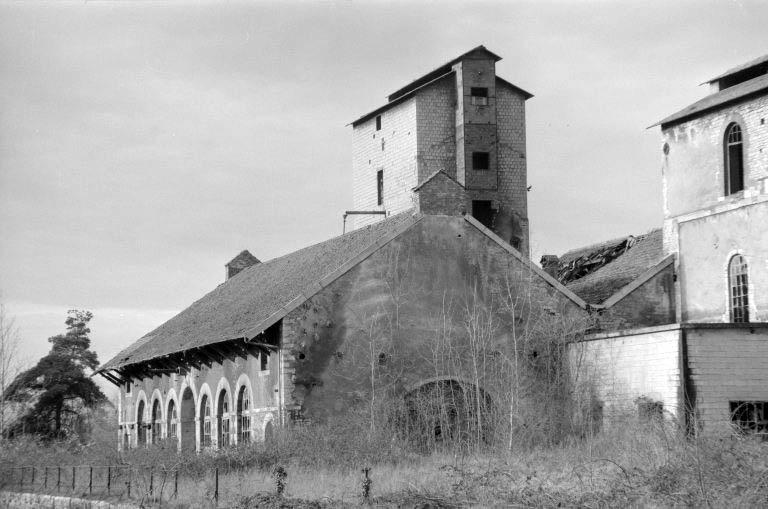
{"x": 718, "y": 99}
{"x": 596, "y": 286}
{"x": 245, "y": 305}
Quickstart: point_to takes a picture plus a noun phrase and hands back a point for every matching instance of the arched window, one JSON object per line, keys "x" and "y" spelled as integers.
{"x": 222, "y": 418}
{"x": 243, "y": 414}
{"x": 738, "y": 289}
{"x": 157, "y": 423}
{"x": 205, "y": 422}
{"x": 173, "y": 420}
{"x": 734, "y": 160}
{"x": 141, "y": 431}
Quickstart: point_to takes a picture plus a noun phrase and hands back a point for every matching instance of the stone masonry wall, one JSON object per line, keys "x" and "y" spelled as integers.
{"x": 436, "y": 128}
{"x": 392, "y": 149}
{"x": 653, "y": 303}
{"x": 726, "y": 364}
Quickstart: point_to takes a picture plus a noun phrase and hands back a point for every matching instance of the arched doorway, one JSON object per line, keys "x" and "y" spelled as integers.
{"x": 269, "y": 432}
{"x": 222, "y": 419}
{"x": 244, "y": 415}
{"x": 157, "y": 423}
{"x": 187, "y": 420}
{"x": 205, "y": 421}
{"x": 447, "y": 411}
{"x": 141, "y": 431}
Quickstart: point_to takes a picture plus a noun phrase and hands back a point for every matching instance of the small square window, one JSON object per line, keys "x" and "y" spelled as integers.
{"x": 481, "y": 160}
{"x": 378, "y": 122}
{"x": 479, "y": 96}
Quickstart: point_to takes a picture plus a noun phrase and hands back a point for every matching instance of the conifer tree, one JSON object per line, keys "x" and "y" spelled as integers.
{"x": 58, "y": 388}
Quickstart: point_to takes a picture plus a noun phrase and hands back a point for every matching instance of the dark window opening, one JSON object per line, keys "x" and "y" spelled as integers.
{"x": 649, "y": 410}
{"x": 482, "y": 210}
{"x": 128, "y": 388}
{"x": 750, "y": 416}
{"x": 380, "y": 187}
{"x": 264, "y": 361}
{"x": 382, "y": 359}
{"x": 734, "y": 160}
{"x": 479, "y": 96}
{"x": 378, "y": 123}
{"x": 738, "y": 285}
{"x": 481, "y": 160}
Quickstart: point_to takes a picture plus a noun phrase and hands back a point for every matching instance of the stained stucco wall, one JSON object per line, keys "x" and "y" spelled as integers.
{"x": 617, "y": 368}
{"x": 229, "y": 377}
{"x": 726, "y": 364}
{"x": 650, "y": 304}
{"x": 401, "y": 316}
{"x": 707, "y": 243}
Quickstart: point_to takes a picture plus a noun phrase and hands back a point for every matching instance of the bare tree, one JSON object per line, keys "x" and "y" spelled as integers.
{"x": 9, "y": 362}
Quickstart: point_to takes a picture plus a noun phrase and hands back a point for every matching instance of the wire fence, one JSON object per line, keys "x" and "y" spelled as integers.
{"x": 119, "y": 481}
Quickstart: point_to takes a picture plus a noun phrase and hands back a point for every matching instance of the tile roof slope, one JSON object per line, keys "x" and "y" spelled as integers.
{"x": 598, "y": 286}
{"x": 258, "y": 292}
{"x": 733, "y": 93}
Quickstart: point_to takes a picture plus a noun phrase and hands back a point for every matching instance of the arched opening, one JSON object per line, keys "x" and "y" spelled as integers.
{"x": 205, "y": 421}
{"x": 447, "y": 411}
{"x": 734, "y": 159}
{"x": 222, "y": 419}
{"x": 173, "y": 420}
{"x": 187, "y": 422}
{"x": 141, "y": 431}
{"x": 738, "y": 289}
{"x": 244, "y": 415}
{"x": 269, "y": 432}
{"x": 157, "y": 423}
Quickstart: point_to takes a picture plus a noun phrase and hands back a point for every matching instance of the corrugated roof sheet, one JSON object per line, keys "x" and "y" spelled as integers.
{"x": 734, "y": 93}
{"x": 240, "y": 304}
{"x": 597, "y": 286}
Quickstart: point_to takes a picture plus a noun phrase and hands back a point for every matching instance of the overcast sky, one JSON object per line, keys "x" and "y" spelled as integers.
{"x": 143, "y": 145}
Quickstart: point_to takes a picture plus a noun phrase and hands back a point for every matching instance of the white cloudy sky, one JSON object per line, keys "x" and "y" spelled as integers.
{"x": 143, "y": 145}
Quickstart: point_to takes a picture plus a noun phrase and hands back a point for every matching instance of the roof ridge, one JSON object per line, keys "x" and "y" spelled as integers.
{"x": 435, "y": 174}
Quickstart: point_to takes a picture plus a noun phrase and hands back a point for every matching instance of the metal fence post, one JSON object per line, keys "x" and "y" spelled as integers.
{"x": 176, "y": 483}
{"x": 73, "y": 478}
{"x": 45, "y": 480}
{"x": 90, "y": 480}
{"x": 33, "y": 475}
{"x": 216, "y": 491}
{"x": 130, "y": 471}
{"x": 109, "y": 478}
{"x": 58, "y": 480}
{"x": 151, "y": 482}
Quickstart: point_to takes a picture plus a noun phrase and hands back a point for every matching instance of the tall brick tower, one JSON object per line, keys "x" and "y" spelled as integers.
{"x": 461, "y": 119}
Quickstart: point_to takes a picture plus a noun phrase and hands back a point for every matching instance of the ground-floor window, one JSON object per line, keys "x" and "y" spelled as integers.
{"x": 173, "y": 419}
{"x": 206, "y": 422}
{"x": 244, "y": 418}
{"x": 750, "y": 416}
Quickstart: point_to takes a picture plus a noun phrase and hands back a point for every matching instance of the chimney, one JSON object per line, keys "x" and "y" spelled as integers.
{"x": 550, "y": 264}
{"x": 242, "y": 261}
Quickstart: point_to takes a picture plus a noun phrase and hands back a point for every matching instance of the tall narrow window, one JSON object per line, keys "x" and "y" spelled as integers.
{"x": 739, "y": 289}
{"x": 380, "y": 187}
{"x": 223, "y": 419}
{"x": 243, "y": 414}
{"x": 734, "y": 160}
{"x": 205, "y": 422}
{"x": 378, "y": 122}
{"x": 157, "y": 422}
{"x": 173, "y": 420}
{"x": 263, "y": 361}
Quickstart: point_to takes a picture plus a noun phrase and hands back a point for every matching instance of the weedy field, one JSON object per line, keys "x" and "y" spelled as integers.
{"x": 641, "y": 465}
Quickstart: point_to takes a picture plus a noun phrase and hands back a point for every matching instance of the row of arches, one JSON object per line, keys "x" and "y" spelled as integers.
{"x": 198, "y": 421}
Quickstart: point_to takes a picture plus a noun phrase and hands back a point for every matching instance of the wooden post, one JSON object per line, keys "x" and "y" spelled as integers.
{"x": 151, "y": 484}
{"x": 216, "y": 491}
{"x": 58, "y": 480}
{"x": 176, "y": 483}
{"x": 90, "y": 480}
{"x": 73, "y": 479}
{"x": 109, "y": 479}
{"x": 45, "y": 480}
{"x": 129, "y": 482}
{"x": 33, "y": 475}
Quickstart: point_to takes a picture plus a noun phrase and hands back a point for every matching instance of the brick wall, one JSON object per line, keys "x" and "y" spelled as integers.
{"x": 620, "y": 367}
{"x": 441, "y": 195}
{"x": 652, "y": 303}
{"x": 726, "y": 364}
{"x": 436, "y": 128}
{"x": 392, "y": 149}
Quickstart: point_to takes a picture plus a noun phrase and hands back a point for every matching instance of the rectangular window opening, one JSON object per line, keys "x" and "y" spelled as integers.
{"x": 380, "y": 187}
{"x": 479, "y": 96}
{"x": 378, "y": 122}
{"x": 481, "y": 160}
{"x": 482, "y": 210}
{"x": 750, "y": 416}
{"x": 264, "y": 360}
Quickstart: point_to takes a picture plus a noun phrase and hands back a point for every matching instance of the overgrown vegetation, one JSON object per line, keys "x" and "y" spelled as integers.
{"x": 641, "y": 464}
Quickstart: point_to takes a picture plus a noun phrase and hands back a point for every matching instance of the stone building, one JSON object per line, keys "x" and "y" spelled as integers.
{"x": 383, "y": 311}
{"x": 682, "y": 310}
{"x": 462, "y": 119}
